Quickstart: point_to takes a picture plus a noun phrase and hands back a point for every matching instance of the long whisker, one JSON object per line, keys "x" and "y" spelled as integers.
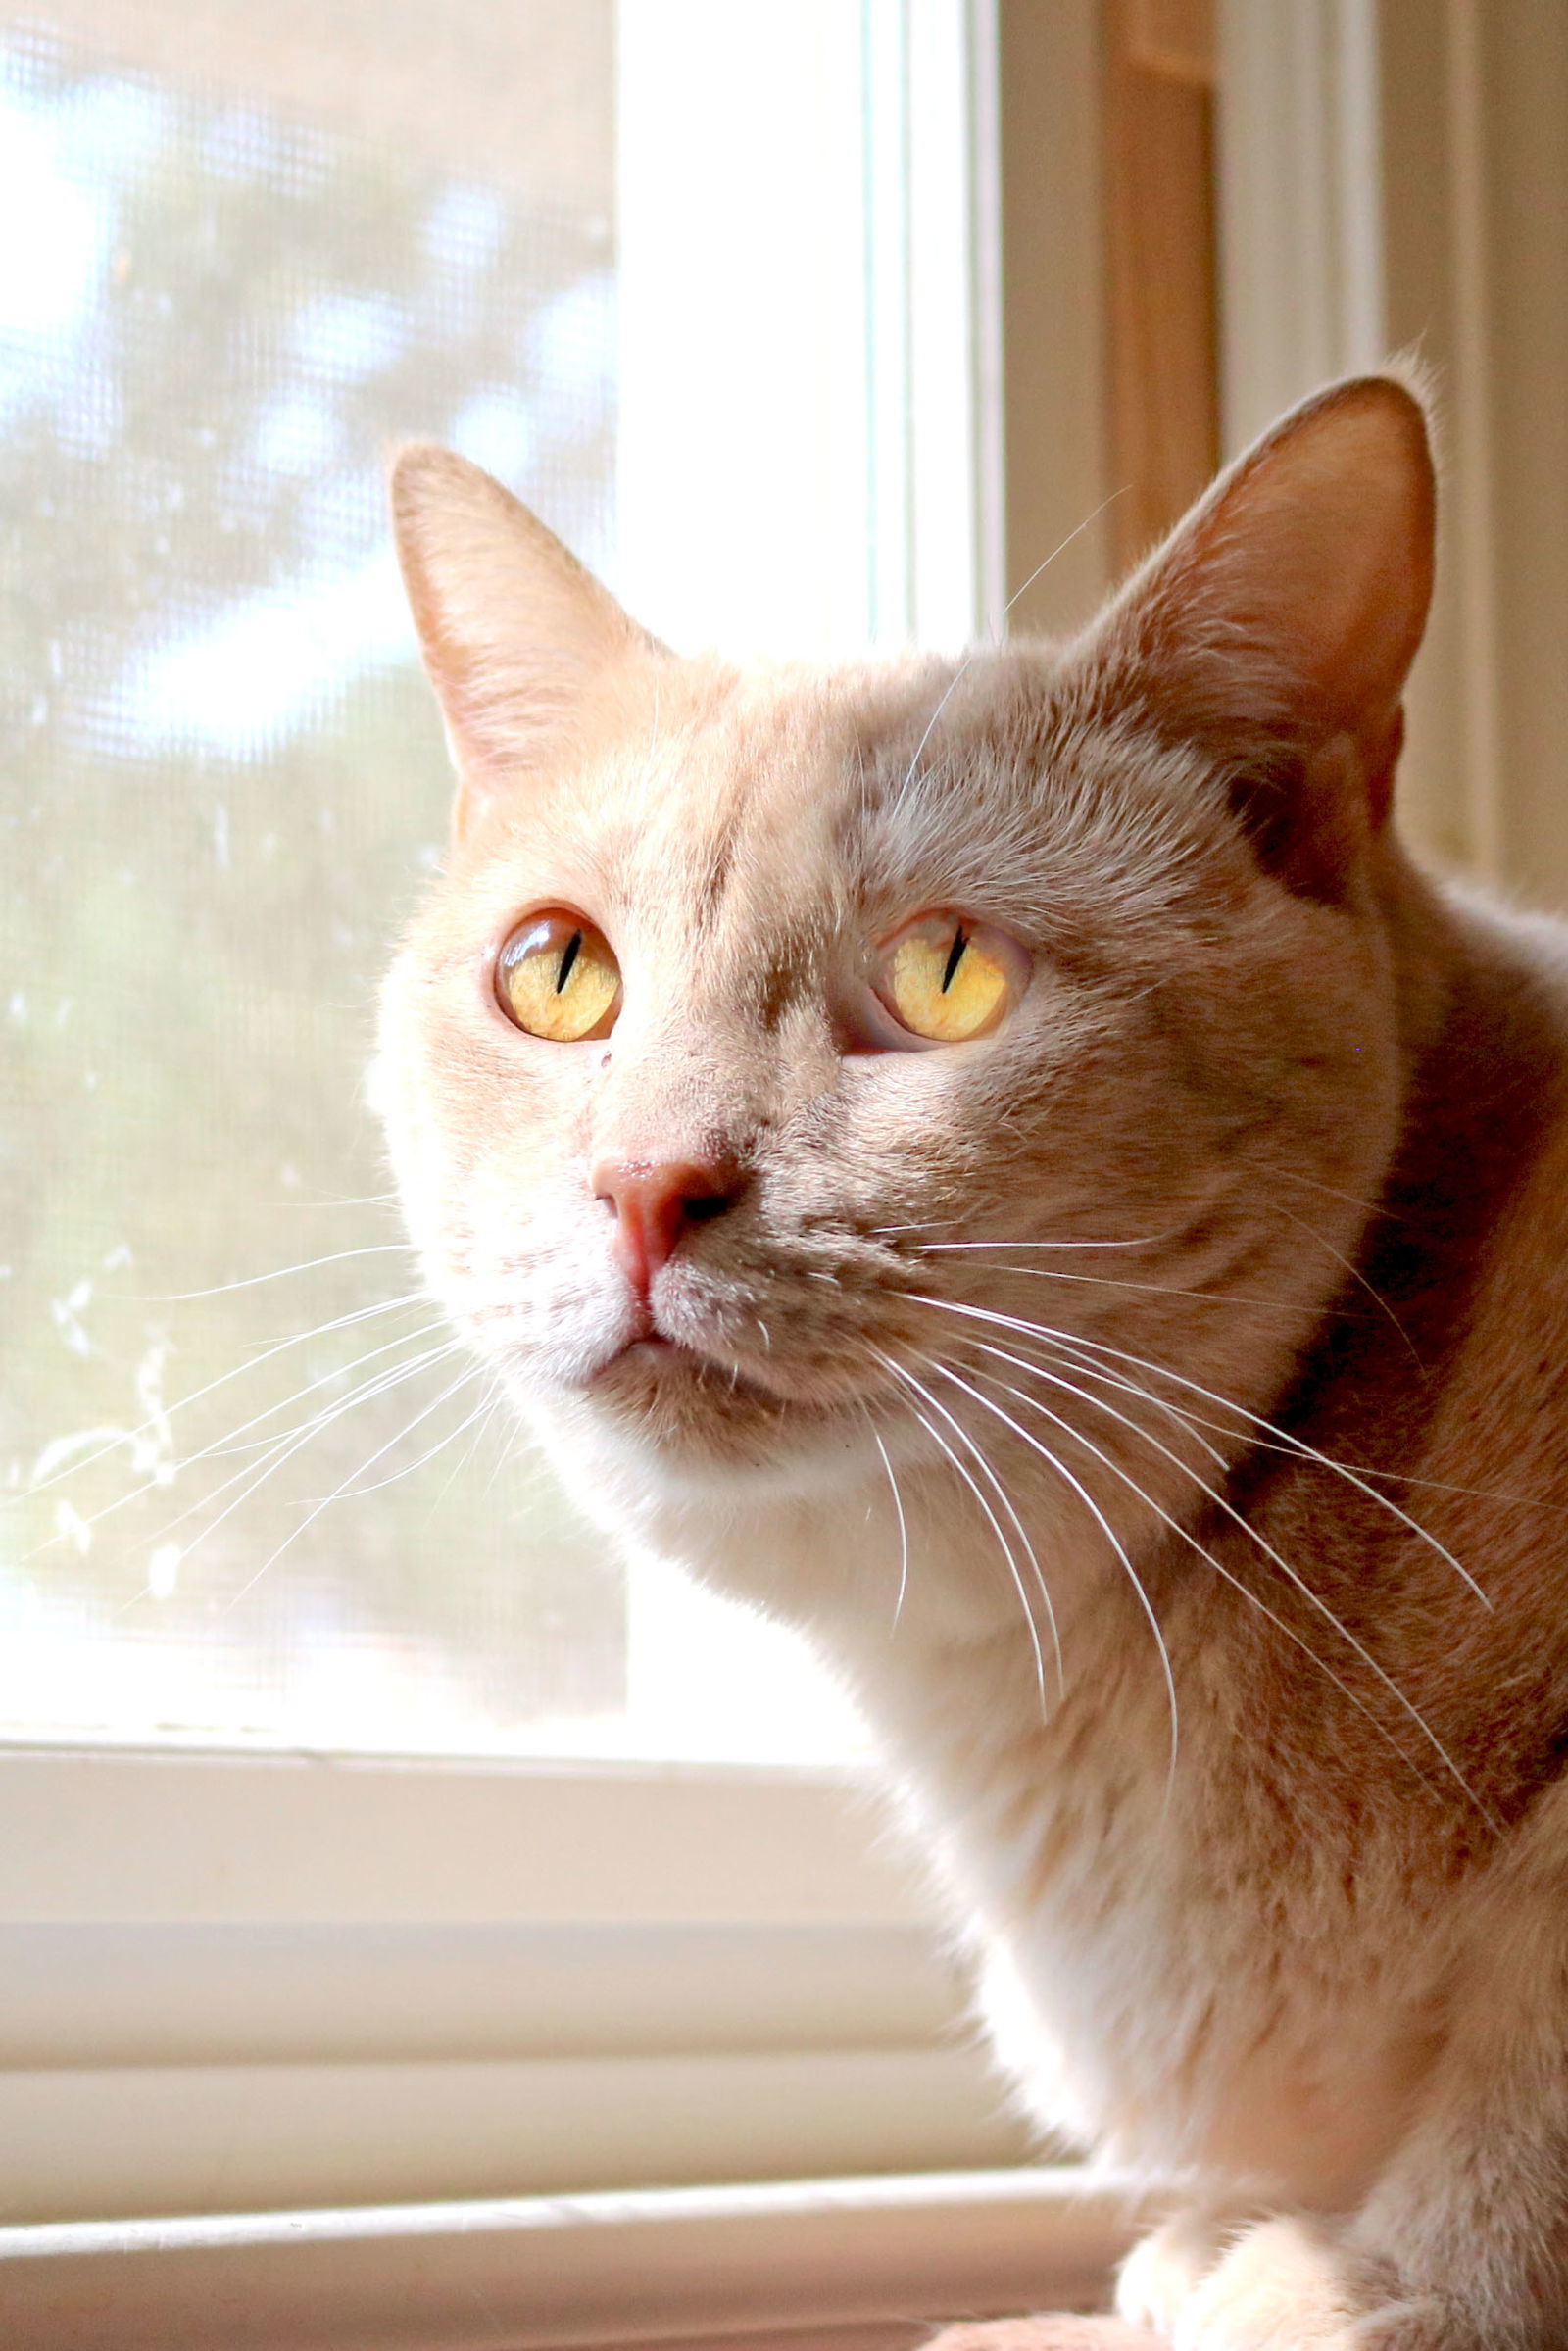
{"x": 279, "y": 1273}
{"x": 340, "y": 1322}
{"x": 1291, "y": 1443}
{"x": 471, "y": 1373}
{"x": 904, "y": 1531}
{"x": 1107, "y": 1281}
{"x": 1356, "y": 1274}
{"x": 284, "y": 1447}
{"x": 937, "y": 1439}
{"x": 280, "y": 1452}
{"x": 366, "y": 1200}
{"x": 1289, "y": 1175}
{"x": 1111, "y": 1537}
{"x": 323, "y": 1380}
{"x": 489, "y": 1404}
{"x": 1063, "y": 546}
{"x": 1191, "y": 1421}
{"x": 225, "y": 1444}
{"x": 352, "y": 1490}
{"x": 1223, "y": 1503}
{"x": 1288, "y": 1442}
{"x": 1184, "y": 1533}
{"x": 953, "y": 685}
{"x": 987, "y": 1470}
{"x": 502, "y": 1456}
{"x": 970, "y": 659}
{"x": 932, "y": 1248}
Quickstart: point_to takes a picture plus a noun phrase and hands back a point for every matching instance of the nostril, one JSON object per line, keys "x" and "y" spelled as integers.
{"x": 656, "y": 1202}
{"x": 705, "y": 1206}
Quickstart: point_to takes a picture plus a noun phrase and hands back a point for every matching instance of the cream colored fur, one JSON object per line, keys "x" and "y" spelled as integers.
{"x": 1218, "y": 1295}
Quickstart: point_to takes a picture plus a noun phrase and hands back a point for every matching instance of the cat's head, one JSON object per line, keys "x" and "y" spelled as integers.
{"x": 774, "y": 1031}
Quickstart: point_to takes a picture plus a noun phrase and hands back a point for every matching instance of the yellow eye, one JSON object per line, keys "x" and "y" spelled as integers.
{"x": 556, "y": 978}
{"x": 948, "y": 980}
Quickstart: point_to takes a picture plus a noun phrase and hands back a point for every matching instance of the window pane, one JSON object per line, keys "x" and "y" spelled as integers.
{"x": 235, "y": 272}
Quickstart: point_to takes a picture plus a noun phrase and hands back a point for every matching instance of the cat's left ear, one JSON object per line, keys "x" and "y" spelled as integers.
{"x": 1275, "y": 627}
{"x": 520, "y": 640}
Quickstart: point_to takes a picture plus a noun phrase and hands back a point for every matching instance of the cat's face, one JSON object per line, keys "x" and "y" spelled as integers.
{"x": 1194, "y": 1001}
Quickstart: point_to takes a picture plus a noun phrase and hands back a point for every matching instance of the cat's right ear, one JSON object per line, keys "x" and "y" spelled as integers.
{"x": 520, "y": 640}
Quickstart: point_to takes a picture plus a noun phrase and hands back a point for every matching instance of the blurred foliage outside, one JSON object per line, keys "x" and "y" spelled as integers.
{"x": 223, "y": 780}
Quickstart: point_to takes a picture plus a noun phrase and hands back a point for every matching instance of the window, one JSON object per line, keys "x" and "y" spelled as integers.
{"x": 378, "y": 1852}
{"x": 267, "y": 1504}
{"x": 339, "y": 1737}
{"x": 232, "y": 301}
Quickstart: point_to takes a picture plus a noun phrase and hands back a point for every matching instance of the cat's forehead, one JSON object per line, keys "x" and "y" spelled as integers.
{"x": 768, "y": 809}
{"x": 756, "y": 792}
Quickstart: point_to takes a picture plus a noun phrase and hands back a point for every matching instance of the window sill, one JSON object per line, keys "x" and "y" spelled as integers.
{"x": 862, "y": 2263}
{"x": 274, "y": 1984}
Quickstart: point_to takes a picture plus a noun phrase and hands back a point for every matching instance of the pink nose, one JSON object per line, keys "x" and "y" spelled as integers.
{"x": 653, "y": 1205}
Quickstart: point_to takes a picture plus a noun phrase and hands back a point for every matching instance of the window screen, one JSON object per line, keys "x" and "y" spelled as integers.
{"x": 241, "y": 261}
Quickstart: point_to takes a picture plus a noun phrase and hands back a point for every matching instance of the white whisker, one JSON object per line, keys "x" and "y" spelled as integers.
{"x": 1110, "y": 1535}
{"x": 1289, "y": 1175}
{"x": 279, "y": 1273}
{"x": 283, "y": 1449}
{"x": 329, "y": 1200}
{"x": 970, "y": 659}
{"x": 489, "y": 1404}
{"x": 937, "y": 1224}
{"x": 904, "y": 1532}
{"x": 901, "y": 1371}
{"x": 1222, "y": 1502}
{"x": 504, "y": 1455}
{"x": 1184, "y": 1533}
{"x": 471, "y": 1373}
{"x": 1296, "y": 1446}
{"x": 352, "y": 1490}
{"x": 1194, "y": 1421}
{"x": 389, "y": 1306}
{"x": 226, "y": 1444}
{"x": 1108, "y": 1281}
{"x": 932, "y": 1248}
{"x": 1356, "y": 1274}
{"x": 340, "y": 1371}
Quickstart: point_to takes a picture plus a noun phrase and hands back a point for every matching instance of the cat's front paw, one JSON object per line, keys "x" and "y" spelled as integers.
{"x": 1164, "y": 2269}
{"x": 1280, "y": 2285}
{"x": 1062, "y": 2332}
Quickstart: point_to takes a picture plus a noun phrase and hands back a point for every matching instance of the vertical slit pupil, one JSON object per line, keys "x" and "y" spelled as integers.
{"x": 956, "y": 955}
{"x": 569, "y": 955}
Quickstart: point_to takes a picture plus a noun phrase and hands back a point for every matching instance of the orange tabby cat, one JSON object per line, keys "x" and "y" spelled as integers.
{"x": 1008, "y": 1165}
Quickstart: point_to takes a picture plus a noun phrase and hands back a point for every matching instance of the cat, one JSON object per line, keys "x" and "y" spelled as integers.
{"x": 1008, "y": 1165}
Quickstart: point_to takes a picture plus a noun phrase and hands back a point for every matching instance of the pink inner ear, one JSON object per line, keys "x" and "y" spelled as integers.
{"x": 1298, "y": 586}
{"x": 1320, "y": 554}
{"x": 1276, "y": 626}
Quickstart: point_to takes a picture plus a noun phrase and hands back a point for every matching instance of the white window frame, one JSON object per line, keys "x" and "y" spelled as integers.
{"x": 1327, "y": 264}
{"x": 846, "y": 2264}
{"x": 780, "y": 488}
{"x": 347, "y": 1980}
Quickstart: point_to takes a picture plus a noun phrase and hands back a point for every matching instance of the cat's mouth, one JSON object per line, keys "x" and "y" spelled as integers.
{"x": 654, "y": 1359}
{"x": 650, "y": 1351}
{"x": 686, "y": 1363}
{"x": 674, "y": 1383}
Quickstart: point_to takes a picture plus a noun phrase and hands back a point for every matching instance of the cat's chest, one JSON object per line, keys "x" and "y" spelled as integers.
{"x": 1175, "y": 1968}
{"x": 1156, "y": 1985}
